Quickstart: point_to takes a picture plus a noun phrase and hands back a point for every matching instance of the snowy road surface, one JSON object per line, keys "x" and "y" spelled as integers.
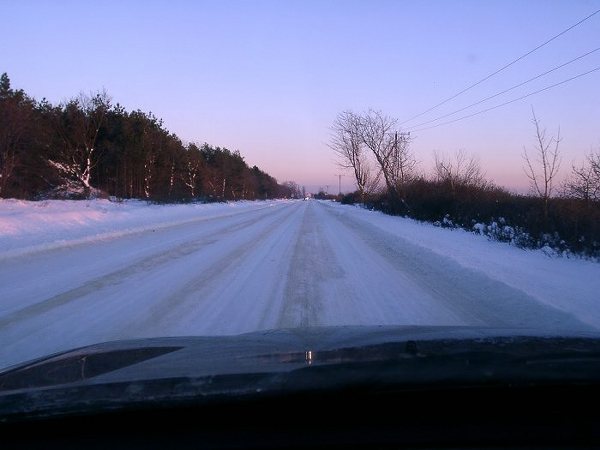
{"x": 277, "y": 264}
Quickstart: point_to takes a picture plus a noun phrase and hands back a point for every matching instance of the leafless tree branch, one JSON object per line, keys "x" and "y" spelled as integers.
{"x": 543, "y": 170}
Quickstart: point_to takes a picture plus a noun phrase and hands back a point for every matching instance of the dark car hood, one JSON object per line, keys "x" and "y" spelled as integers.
{"x": 114, "y": 374}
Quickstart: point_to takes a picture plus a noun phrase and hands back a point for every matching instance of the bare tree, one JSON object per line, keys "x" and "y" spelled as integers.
{"x": 584, "y": 181}
{"x": 389, "y": 148}
{"x": 376, "y": 132}
{"x": 347, "y": 143}
{"x": 543, "y": 168}
{"x": 374, "y": 181}
{"x": 461, "y": 169}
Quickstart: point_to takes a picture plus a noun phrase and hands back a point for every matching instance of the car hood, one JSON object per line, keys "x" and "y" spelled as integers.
{"x": 114, "y": 374}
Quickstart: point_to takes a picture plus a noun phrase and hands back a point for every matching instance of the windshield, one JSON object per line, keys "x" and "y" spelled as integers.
{"x": 215, "y": 168}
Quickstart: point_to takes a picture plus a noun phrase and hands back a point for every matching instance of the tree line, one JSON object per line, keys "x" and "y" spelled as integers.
{"x": 89, "y": 146}
{"x": 564, "y": 215}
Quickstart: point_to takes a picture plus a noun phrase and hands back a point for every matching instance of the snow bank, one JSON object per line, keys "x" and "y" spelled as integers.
{"x": 27, "y": 226}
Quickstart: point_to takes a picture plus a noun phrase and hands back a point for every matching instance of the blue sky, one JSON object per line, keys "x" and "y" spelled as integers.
{"x": 269, "y": 77}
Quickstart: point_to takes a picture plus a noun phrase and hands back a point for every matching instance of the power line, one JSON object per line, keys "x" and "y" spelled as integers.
{"x": 503, "y": 67}
{"x": 506, "y": 90}
{"x": 509, "y": 102}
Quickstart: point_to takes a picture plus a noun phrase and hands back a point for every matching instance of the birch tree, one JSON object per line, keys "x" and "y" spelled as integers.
{"x": 79, "y": 126}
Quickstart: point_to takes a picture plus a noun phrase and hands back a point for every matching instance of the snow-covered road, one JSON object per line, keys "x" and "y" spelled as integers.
{"x": 278, "y": 264}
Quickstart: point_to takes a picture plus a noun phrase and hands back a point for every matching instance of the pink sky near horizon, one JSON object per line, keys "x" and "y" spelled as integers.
{"x": 268, "y": 78}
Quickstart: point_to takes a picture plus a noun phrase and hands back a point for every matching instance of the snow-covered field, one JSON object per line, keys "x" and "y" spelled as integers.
{"x": 77, "y": 273}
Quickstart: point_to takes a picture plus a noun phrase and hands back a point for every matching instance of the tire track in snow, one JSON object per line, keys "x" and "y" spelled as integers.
{"x": 312, "y": 265}
{"x": 123, "y": 274}
{"x": 369, "y": 290}
{"x": 183, "y": 305}
{"x": 477, "y": 298}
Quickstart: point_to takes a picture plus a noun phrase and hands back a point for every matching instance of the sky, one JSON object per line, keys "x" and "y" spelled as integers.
{"x": 268, "y": 78}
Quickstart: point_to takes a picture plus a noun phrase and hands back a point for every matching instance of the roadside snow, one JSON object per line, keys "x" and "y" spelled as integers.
{"x": 27, "y": 227}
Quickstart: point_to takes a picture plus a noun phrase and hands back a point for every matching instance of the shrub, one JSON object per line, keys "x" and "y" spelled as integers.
{"x": 572, "y": 225}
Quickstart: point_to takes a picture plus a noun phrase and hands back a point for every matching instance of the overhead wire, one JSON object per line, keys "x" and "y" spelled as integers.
{"x": 506, "y": 90}
{"x": 510, "y": 101}
{"x": 503, "y": 67}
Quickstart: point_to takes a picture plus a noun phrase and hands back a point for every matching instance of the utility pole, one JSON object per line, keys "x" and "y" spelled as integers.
{"x": 339, "y": 175}
{"x": 327, "y": 189}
